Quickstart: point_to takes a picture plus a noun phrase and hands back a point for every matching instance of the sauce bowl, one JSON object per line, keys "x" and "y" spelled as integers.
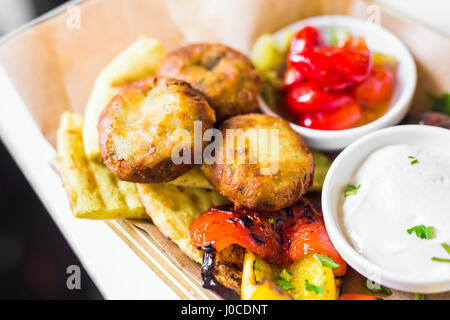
{"x": 341, "y": 172}
{"x": 380, "y": 40}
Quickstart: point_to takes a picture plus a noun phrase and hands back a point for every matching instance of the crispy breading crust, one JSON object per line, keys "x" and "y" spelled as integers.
{"x": 136, "y": 129}
{"x": 245, "y": 185}
{"x": 226, "y": 77}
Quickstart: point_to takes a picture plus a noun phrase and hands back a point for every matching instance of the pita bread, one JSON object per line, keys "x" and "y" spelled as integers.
{"x": 173, "y": 209}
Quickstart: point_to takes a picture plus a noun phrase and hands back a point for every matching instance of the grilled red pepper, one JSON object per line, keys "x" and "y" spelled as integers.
{"x": 357, "y": 296}
{"x": 279, "y": 237}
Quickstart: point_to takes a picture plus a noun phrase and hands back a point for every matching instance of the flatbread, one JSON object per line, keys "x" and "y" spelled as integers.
{"x": 194, "y": 178}
{"x": 173, "y": 209}
{"x": 93, "y": 191}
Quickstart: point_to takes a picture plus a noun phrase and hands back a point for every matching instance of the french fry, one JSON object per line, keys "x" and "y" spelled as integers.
{"x": 93, "y": 191}
{"x": 141, "y": 60}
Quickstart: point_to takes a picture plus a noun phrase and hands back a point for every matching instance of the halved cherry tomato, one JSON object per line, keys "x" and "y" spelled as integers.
{"x": 357, "y": 296}
{"x": 376, "y": 88}
{"x": 340, "y": 118}
{"x": 292, "y": 77}
{"x": 308, "y": 97}
{"x": 267, "y": 234}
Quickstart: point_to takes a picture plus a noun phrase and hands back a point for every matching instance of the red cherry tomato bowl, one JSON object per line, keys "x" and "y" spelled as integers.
{"x": 377, "y": 39}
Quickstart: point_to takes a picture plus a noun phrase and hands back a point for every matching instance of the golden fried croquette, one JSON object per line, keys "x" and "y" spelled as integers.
{"x": 226, "y": 77}
{"x": 276, "y": 178}
{"x": 138, "y": 129}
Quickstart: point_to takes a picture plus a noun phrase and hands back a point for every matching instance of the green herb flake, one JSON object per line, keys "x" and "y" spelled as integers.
{"x": 441, "y": 103}
{"x": 419, "y": 296}
{"x": 377, "y": 288}
{"x": 422, "y": 231}
{"x": 313, "y": 288}
{"x": 285, "y": 275}
{"x": 271, "y": 220}
{"x": 285, "y": 284}
{"x": 351, "y": 190}
{"x": 256, "y": 266}
{"x": 283, "y": 279}
{"x": 414, "y": 160}
{"x": 326, "y": 261}
{"x": 440, "y": 260}
{"x": 446, "y": 246}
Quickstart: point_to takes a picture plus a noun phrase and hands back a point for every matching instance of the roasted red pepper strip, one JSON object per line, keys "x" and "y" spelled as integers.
{"x": 279, "y": 237}
{"x": 224, "y": 226}
{"x": 313, "y": 238}
{"x": 376, "y": 88}
{"x": 339, "y": 118}
{"x": 333, "y": 68}
{"x": 308, "y": 97}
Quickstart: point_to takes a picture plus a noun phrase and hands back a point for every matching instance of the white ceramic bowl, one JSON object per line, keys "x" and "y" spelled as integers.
{"x": 379, "y": 40}
{"x": 341, "y": 172}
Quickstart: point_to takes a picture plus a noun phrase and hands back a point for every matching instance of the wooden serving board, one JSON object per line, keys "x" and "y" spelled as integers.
{"x": 54, "y": 65}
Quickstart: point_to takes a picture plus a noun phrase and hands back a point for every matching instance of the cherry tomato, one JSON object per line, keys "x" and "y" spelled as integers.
{"x": 292, "y": 77}
{"x": 340, "y": 118}
{"x": 376, "y": 88}
{"x": 308, "y": 97}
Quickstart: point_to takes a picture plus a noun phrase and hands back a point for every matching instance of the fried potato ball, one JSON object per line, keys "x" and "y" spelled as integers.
{"x": 271, "y": 178}
{"x": 226, "y": 77}
{"x": 143, "y": 124}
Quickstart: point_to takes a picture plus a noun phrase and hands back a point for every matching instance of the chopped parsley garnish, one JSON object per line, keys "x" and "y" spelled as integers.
{"x": 313, "y": 288}
{"x": 419, "y": 296}
{"x": 285, "y": 284}
{"x": 413, "y": 160}
{"x": 440, "y": 259}
{"x": 256, "y": 266}
{"x": 446, "y": 246}
{"x": 377, "y": 288}
{"x": 326, "y": 261}
{"x": 271, "y": 220}
{"x": 351, "y": 190}
{"x": 422, "y": 231}
{"x": 283, "y": 280}
{"x": 285, "y": 275}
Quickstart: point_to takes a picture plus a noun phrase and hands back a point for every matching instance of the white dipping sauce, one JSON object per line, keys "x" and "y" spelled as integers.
{"x": 394, "y": 196}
